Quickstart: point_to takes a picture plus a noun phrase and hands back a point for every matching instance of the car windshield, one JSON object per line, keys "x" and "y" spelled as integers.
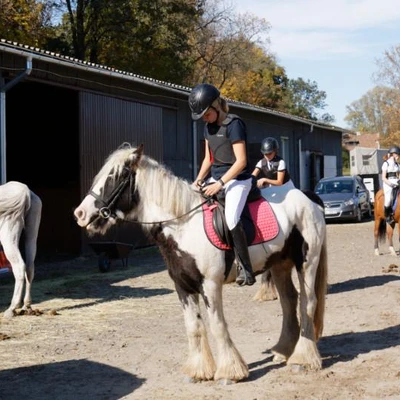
{"x": 334, "y": 187}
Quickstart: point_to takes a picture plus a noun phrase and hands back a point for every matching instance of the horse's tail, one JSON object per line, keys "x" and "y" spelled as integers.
{"x": 15, "y": 200}
{"x": 382, "y": 231}
{"x": 321, "y": 285}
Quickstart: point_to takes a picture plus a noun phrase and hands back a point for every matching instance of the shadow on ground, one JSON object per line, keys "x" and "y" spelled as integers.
{"x": 64, "y": 381}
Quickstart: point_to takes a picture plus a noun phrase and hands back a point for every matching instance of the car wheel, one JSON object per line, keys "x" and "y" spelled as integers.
{"x": 358, "y": 214}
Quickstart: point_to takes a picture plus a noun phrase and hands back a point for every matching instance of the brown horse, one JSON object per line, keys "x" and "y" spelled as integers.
{"x": 381, "y": 228}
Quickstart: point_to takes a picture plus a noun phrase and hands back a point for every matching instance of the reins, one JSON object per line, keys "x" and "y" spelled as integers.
{"x": 171, "y": 219}
{"x": 105, "y": 212}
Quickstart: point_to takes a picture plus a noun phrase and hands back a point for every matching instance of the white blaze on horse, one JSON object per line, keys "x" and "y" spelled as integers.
{"x": 133, "y": 186}
{"x": 20, "y": 210}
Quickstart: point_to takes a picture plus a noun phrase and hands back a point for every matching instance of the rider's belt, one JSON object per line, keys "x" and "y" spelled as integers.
{"x": 392, "y": 175}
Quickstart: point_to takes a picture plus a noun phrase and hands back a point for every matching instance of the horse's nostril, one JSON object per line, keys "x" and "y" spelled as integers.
{"x": 78, "y": 213}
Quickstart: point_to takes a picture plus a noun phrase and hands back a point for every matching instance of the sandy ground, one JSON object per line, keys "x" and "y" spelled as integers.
{"x": 120, "y": 335}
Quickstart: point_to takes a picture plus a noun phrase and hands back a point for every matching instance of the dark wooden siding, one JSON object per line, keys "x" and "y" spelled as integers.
{"x": 106, "y": 123}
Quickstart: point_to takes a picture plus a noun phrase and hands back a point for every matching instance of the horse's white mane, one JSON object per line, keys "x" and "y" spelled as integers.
{"x": 154, "y": 181}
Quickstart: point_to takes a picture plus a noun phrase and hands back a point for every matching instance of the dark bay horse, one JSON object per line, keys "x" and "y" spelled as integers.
{"x": 382, "y": 229}
{"x": 134, "y": 187}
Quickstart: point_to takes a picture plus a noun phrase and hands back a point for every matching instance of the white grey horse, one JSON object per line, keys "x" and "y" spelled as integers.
{"x": 20, "y": 209}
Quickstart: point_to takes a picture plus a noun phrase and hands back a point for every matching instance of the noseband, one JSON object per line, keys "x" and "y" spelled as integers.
{"x": 107, "y": 209}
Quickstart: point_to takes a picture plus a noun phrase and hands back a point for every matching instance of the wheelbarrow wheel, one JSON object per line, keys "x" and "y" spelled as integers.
{"x": 104, "y": 263}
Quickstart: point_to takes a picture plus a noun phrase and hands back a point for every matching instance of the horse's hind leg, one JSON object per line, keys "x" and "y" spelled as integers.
{"x": 390, "y": 230}
{"x": 32, "y": 223}
{"x": 306, "y": 352}
{"x": 288, "y": 296}
{"x": 267, "y": 290}
{"x": 10, "y": 234}
{"x": 200, "y": 364}
{"x": 230, "y": 365}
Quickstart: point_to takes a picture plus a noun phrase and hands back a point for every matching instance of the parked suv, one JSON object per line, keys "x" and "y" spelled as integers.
{"x": 345, "y": 198}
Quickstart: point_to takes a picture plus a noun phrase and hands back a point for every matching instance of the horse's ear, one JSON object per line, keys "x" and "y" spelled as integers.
{"x": 140, "y": 149}
{"x": 136, "y": 156}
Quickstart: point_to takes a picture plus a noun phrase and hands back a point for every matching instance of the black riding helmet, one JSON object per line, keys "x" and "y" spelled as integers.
{"x": 268, "y": 145}
{"x": 394, "y": 149}
{"x": 201, "y": 98}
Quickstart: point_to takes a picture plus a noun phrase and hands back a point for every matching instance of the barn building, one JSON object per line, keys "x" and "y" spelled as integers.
{"x": 60, "y": 118}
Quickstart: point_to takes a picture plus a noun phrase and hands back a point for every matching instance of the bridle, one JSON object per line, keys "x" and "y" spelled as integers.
{"x": 106, "y": 211}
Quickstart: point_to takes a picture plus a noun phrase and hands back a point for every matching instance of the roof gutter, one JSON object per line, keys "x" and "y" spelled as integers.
{"x": 3, "y": 90}
{"x": 90, "y": 67}
{"x": 178, "y": 89}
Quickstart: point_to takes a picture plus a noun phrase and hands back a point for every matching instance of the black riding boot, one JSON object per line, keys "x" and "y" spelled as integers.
{"x": 245, "y": 274}
{"x": 389, "y": 215}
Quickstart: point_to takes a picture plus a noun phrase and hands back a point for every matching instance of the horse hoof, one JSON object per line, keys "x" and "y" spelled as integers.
{"x": 226, "y": 382}
{"x": 278, "y": 359}
{"x": 297, "y": 368}
{"x": 189, "y": 379}
{"x": 8, "y": 314}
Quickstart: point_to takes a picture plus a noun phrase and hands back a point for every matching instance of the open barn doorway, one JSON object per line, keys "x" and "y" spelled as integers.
{"x": 42, "y": 142}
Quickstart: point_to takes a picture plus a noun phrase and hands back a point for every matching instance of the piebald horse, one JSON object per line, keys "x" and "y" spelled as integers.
{"x": 134, "y": 187}
{"x": 20, "y": 210}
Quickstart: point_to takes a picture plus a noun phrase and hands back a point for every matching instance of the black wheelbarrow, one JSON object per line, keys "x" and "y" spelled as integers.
{"x": 108, "y": 251}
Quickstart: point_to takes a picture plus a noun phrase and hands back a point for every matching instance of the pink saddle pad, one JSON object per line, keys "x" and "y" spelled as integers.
{"x": 266, "y": 225}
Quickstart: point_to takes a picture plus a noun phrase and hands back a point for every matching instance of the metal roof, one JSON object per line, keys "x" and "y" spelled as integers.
{"x": 48, "y": 56}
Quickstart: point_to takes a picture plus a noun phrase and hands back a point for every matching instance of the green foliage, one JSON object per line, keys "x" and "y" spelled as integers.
{"x": 345, "y": 162}
{"x": 25, "y": 21}
{"x": 375, "y": 112}
{"x": 261, "y": 82}
{"x": 302, "y": 98}
{"x": 179, "y": 41}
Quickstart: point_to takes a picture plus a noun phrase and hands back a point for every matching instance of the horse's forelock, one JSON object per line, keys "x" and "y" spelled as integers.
{"x": 114, "y": 165}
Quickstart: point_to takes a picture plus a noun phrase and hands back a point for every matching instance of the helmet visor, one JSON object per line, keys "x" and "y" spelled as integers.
{"x": 196, "y": 116}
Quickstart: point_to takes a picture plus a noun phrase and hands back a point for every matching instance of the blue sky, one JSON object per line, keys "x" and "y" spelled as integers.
{"x": 335, "y": 43}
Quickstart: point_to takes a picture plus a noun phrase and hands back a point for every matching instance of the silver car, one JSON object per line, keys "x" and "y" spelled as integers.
{"x": 345, "y": 198}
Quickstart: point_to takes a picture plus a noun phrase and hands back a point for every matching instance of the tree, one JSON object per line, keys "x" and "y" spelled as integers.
{"x": 378, "y": 111}
{"x": 373, "y": 112}
{"x": 222, "y": 42}
{"x": 145, "y": 37}
{"x": 180, "y": 41}
{"x": 25, "y": 21}
{"x": 303, "y": 98}
{"x": 389, "y": 68}
{"x": 261, "y": 82}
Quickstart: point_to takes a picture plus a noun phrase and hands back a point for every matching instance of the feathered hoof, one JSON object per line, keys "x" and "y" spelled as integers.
{"x": 189, "y": 379}
{"x": 297, "y": 368}
{"x": 279, "y": 359}
{"x": 226, "y": 382}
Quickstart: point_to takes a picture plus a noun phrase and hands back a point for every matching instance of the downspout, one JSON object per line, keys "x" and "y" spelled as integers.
{"x": 3, "y": 90}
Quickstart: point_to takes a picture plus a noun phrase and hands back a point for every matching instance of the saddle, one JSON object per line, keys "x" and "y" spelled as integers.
{"x": 258, "y": 219}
